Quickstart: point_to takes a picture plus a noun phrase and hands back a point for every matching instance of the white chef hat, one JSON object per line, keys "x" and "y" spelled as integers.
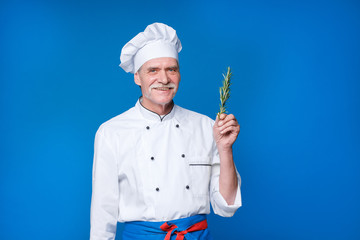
{"x": 158, "y": 40}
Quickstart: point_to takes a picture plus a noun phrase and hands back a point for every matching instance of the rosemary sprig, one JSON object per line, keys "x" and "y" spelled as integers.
{"x": 225, "y": 91}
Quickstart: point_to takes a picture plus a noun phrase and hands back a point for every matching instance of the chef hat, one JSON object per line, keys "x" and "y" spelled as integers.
{"x": 158, "y": 40}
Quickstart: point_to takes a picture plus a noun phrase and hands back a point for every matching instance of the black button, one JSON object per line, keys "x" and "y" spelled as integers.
{"x": 177, "y": 125}
{"x": 152, "y": 158}
{"x": 147, "y": 127}
{"x": 157, "y": 189}
{"x": 183, "y": 155}
{"x": 187, "y": 187}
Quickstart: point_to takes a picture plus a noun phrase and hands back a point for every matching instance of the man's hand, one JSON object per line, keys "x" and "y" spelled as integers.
{"x": 225, "y": 130}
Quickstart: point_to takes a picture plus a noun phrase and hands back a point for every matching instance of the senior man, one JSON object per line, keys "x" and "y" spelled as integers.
{"x": 158, "y": 166}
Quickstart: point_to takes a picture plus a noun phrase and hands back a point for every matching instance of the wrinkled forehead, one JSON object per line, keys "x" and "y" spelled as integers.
{"x": 163, "y": 62}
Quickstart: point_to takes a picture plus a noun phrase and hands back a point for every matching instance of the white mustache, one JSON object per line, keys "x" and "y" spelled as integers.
{"x": 159, "y": 85}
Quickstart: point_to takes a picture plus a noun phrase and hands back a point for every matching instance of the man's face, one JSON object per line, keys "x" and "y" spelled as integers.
{"x": 159, "y": 80}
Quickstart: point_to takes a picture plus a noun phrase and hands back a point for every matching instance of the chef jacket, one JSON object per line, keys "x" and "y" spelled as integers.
{"x": 149, "y": 167}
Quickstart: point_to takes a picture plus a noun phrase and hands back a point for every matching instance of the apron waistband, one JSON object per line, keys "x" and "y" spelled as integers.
{"x": 194, "y": 227}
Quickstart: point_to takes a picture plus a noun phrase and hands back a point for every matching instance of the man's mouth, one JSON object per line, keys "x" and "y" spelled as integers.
{"x": 163, "y": 88}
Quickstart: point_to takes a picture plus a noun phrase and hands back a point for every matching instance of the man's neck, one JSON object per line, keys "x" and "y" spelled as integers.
{"x": 159, "y": 109}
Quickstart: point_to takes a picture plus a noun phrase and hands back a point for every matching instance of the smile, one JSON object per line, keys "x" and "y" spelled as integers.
{"x": 163, "y": 88}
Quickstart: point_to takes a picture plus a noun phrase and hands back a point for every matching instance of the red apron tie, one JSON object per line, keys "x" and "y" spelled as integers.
{"x": 180, "y": 235}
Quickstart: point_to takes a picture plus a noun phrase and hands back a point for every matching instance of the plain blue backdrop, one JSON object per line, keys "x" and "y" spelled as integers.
{"x": 295, "y": 92}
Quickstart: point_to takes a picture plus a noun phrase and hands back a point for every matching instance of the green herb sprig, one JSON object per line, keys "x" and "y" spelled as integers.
{"x": 225, "y": 91}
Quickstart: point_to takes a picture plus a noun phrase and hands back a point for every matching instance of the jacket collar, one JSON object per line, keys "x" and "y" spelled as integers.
{"x": 153, "y": 116}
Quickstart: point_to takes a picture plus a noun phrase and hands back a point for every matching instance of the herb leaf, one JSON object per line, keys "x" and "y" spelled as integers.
{"x": 225, "y": 91}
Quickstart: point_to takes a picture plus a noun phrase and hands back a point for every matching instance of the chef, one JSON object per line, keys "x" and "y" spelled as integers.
{"x": 157, "y": 166}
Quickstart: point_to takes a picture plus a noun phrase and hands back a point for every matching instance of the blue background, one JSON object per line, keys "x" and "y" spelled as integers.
{"x": 295, "y": 92}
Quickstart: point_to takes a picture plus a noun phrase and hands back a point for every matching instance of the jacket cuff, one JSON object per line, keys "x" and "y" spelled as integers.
{"x": 221, "y": 207}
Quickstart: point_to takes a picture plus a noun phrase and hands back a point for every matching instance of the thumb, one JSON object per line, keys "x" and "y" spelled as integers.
{"x": 219, "y": 118}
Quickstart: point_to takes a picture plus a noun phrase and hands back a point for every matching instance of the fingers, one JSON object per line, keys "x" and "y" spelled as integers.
{"x": 231, "y": 128}
{"x": 227, "y": 123}
{"x": 224, "y": 119}
{"x": 231, "y": 125}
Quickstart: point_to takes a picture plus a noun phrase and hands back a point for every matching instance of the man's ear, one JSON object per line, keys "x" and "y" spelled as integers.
{"x": 137, "y": 79}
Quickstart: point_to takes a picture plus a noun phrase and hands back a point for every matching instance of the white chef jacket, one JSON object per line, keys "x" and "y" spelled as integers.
{"x": 153, "y": 168}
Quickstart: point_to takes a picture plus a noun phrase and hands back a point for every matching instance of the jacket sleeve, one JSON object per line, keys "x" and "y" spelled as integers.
{"x": 218, "y": 203}
{"x": 105, "y": 190}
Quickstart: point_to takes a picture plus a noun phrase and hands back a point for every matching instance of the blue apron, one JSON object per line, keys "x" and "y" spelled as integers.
{"x": 140, "y": 230}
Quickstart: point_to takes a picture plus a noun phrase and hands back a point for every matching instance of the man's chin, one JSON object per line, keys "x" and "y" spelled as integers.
{"x": 164, "y": 103}
{"x": 162, "y": 99}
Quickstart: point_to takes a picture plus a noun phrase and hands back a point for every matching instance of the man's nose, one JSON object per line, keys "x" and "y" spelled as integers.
{"x": 163, "y": 77}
